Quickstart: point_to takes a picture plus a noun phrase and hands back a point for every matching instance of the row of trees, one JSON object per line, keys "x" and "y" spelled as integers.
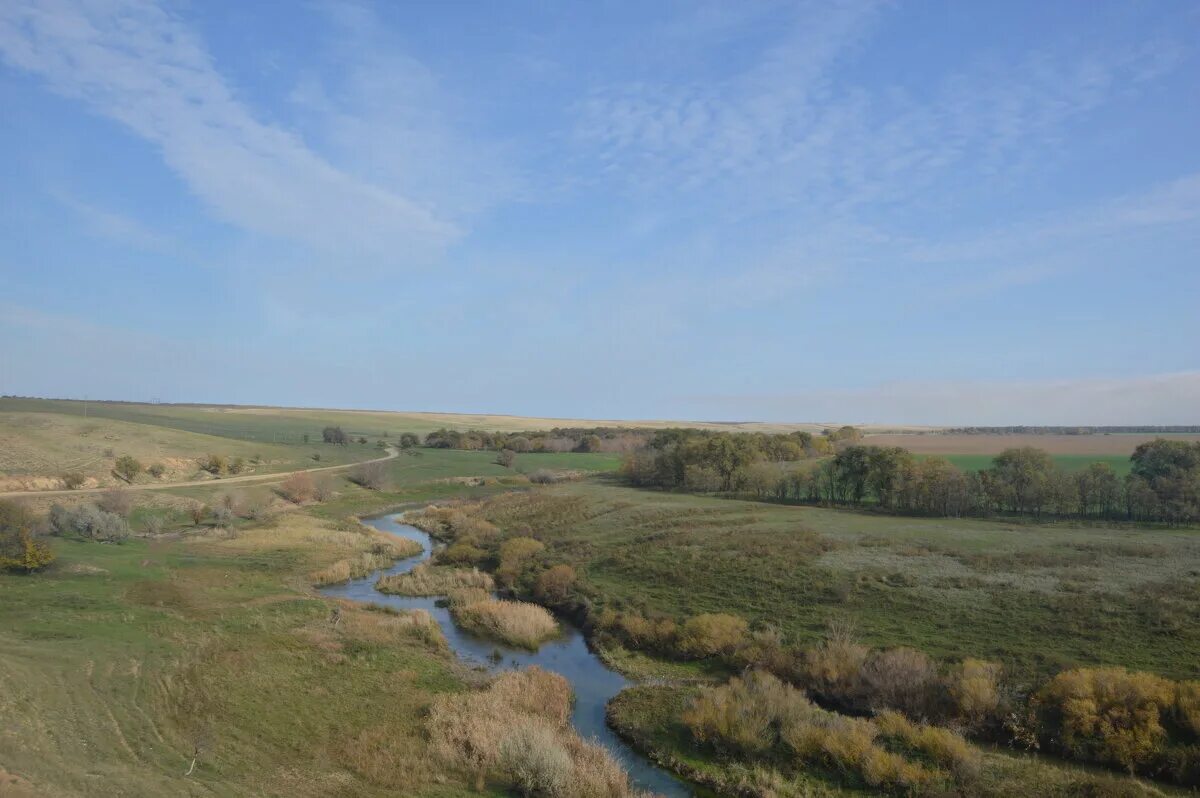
{"x": 560, "y": 439}
{"x": 1163, "y": 484}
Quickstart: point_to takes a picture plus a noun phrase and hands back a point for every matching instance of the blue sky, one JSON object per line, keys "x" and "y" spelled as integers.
{"x": 915, "y": 212}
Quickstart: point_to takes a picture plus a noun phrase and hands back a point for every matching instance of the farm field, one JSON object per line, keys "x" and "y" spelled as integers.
{"x": 1113, "y": 444}
{"x": 1038, "y": 598}
{"x": 290, "y": 424}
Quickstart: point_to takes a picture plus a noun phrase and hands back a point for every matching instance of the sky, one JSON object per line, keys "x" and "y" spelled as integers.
{"x": 896, "y": 212}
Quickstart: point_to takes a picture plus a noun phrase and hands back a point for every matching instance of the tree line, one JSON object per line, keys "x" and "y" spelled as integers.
{"x": 559, "y": 439}
{"x": 1163, "y": 484}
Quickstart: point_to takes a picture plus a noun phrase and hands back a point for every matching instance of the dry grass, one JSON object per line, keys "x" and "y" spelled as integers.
{"x": 426, "y": 580}
{"x": 517, "y": 623}
{"x": 516, "y": 733}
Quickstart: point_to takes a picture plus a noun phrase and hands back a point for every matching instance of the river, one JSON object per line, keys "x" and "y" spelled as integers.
{"x": 594, "y": 683}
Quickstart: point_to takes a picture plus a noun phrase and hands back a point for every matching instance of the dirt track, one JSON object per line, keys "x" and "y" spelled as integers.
{"x": 257, "y": 478}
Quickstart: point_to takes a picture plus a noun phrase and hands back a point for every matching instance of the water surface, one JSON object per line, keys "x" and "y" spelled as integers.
{"x": 593, "y": 682}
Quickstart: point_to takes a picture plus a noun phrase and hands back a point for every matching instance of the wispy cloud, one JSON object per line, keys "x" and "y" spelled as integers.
{"x": 139, "y": 65}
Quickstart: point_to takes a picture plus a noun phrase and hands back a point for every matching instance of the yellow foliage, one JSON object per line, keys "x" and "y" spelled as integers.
{"x": 1187, "y": 705}
{"x": 1108, "y": 714}
{"x": 974, "y": 686}
{"x": 713, "y": 633}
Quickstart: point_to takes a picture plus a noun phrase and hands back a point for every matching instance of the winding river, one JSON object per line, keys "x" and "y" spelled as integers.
{"x": 594, "y": 683}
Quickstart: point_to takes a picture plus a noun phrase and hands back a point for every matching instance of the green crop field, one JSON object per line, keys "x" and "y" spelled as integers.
{"x": 1067, "y": 462}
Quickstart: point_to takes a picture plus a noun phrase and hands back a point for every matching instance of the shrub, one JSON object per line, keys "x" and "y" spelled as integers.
{"x": 974, "y": 687}
{"x": 942, "y": 746}
{"x": 372, "y": 476}
{"x": 747, "y": 715}
{"x": 73, "y": 480}
{"x": 335, "y": 435}
{"x": 1106, "y": 714}
{"x": 154, "y": 525}
{"x": 116, "y": 501}
{"x": 554, "y": 584}
{"x": 156, "y": 470}
{"x": 19, "y": 549}
{"x": 89, "y": 521}
{"x": 237, "y": 465}
{"x": 127, "y": 467}
{"x": 215, "y": 464}
{"x": 198, "y": 512}
{"x": 1187, "y": 706}
{"x": 408, "y": 440}
{"x": 899, "y": 678}
{"x": 832, "y": 668}
{"x": 462, "y": 554}
{"x": 506, "y": 458}
{"x": 711, "y": 634}
{"x": 323, "y": 488}
{"x": 543, "y": 476}
{"x": 515, "y": 553}
{"x": 298, "y": 488}
{"x": 518, "y": 623}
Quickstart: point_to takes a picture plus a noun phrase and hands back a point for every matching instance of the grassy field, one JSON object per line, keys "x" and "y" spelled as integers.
{"x": 288, "y": 425}
{"x": 124, "y": 662}
{"x": 1067, "y": 462}
{"x": 1039, "y": 598}
{"x": 37, "y": 448}
{"x": 1114, "y": 444}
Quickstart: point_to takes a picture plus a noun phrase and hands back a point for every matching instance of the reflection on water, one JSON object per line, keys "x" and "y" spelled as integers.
{"x": 593, "y": 682}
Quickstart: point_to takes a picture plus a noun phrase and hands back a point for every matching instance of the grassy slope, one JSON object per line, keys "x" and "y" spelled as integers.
{"x": 119, "y": 661}
{"x": 49, "y": 444}
{"x": 1038, "y": 597}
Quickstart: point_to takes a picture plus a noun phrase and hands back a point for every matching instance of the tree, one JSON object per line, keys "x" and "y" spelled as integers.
{"x": 73, "y": 480}
{"x": 298, "y": 488}
{"x": 127, "y": 467}
{"x": 506, "y": 458}
{"x": 198, "y": 512}
{"x": 19, "y": 549}
{"x": 362, "y": 439}
{"x": 372, "y": 476}
{"x": 156, "y": 470}
{"x": 1023, "y": 473}
{"x": 335, "y": 435}
{"x": 116, "y": 501}
{"x": 408, "y": 440}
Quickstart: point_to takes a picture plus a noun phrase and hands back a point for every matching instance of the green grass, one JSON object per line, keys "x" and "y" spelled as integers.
{"x": 121, "y": 660}
{"x": 1038, "y": 598}
{"x": 1067, "y": 462}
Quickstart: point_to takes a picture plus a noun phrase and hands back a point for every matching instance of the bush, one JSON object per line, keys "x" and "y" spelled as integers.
{"x": 408, "y": 440}
{"x": 974, "y": 687}
{"x": 116, "y": 501}
{"x": 832, "y": 668}
{"x": 554, "y": 584}
{"x": 197, "y": 512}
{"x": 127, "y": 467}
{"x": 1187, "y": 706}
{"x": 323, "y": 489}
{"x": 533, "y": 757}
{"x": 748, "y": 715}
{"x": 89, "y": 521}
{"x": 335, "y": 435}
{"x": 372, "y": 476}
{"x": 156, "y": 470}
{"x": 462, "y": 554}
{"x": 237, "y": 465}
{"x": 19, "y": 549}
{"x": 215, "y": 464}
{"x": 942, "y": 746}
{"x": 506, "y": 458}
{"x": 1106, "y": 714}
{"x": 544, "y": 476}
{"x": 154, "y": 525}
{"x": 900, "y": 678}
{"x": 711, "y": 634}
{"x": 298, "y": 488}
{"x": 73, "y": 480}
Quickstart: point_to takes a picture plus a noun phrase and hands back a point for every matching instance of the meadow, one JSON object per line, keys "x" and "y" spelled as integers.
{"x": 1038, "y": 598}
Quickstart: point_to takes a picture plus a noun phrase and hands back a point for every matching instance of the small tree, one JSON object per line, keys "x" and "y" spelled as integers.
{"x": 408, "y": 440}
{"x": 323, "y": 488}
{"x": 127, "y": 467}
{"x": 19, "y": 550}
{"x": 506, "y": 458}
{"x": 335, "y": 435}
{"x": 362, "y": 439}
{"x": 372, "y": 476}
{"x": 198, "y": 512}
{"x": 156, "y": 470}
{"x": 73, "y": 480}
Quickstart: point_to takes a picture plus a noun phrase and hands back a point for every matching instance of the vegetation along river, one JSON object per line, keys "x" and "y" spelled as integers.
{"x": 594, "y": 683}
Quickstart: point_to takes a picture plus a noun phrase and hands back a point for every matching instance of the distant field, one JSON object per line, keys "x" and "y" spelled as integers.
{"x": 1037, "y": 597}
{"x": 1067, "y": 462}
{"x": 1115, "y": 444}
{"x": 288, "y": 425}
